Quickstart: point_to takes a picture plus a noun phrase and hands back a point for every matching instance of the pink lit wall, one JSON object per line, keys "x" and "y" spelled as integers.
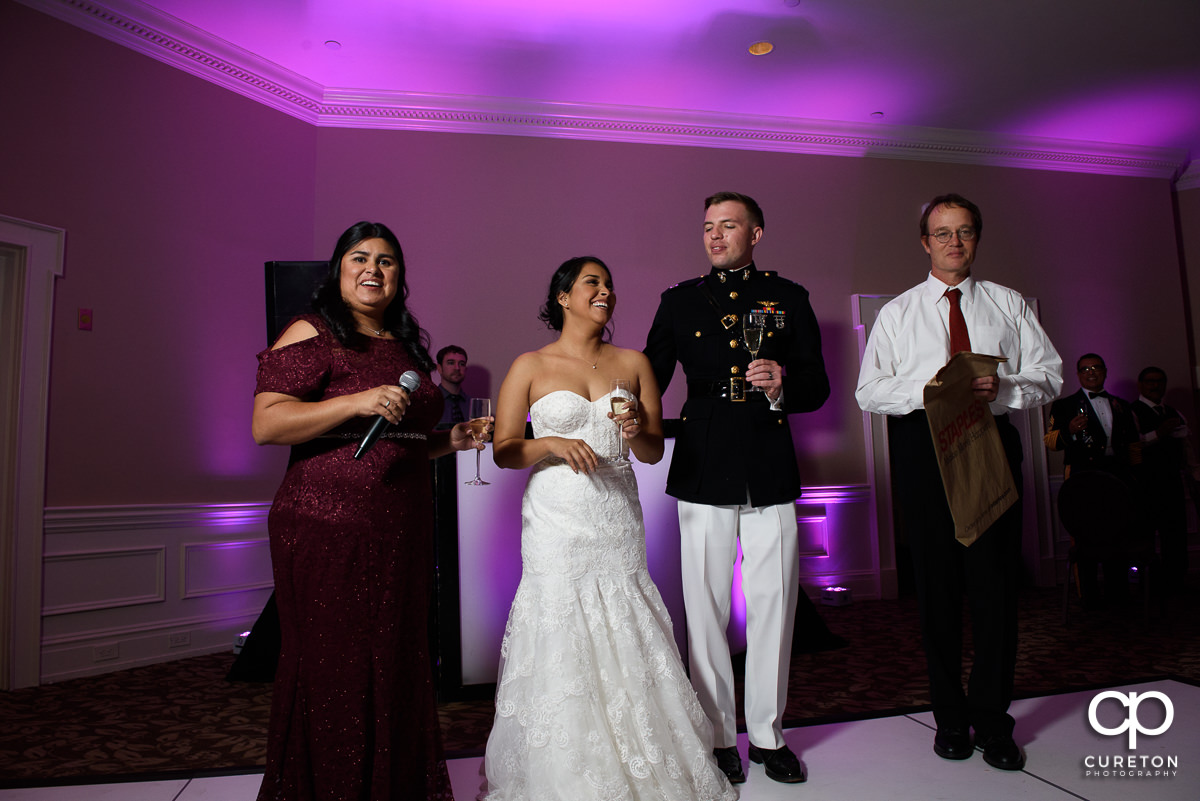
{"x": 174, "y": 192}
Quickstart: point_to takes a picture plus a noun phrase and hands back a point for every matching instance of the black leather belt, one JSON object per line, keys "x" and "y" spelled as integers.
{"x": 735, "y": 390}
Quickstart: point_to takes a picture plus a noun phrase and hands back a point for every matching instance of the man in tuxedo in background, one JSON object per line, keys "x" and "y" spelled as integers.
{"x": 1096, "y": 431}
{"x": 1094, "y": 428}
{"x": 735, "y": 475}
{"x": 452, "y": 367}
{"x": 1159, "y": 461}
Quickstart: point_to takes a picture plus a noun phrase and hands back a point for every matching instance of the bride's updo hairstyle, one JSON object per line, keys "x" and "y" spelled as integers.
{"x": 564, "y": 278}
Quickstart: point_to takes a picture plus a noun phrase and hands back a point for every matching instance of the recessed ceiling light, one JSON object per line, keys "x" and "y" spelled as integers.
{"x": 761, "y": 48}
{"x": 791, "y": 3}
{"x": 333, "y": 44}
{"x": 877, "y": 114}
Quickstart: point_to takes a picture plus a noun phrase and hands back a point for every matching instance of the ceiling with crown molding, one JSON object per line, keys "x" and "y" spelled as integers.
{"x": 1096, "y": 86}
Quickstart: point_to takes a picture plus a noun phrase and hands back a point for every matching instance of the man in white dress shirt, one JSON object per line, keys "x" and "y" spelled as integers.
{"x": 913, "y": 337}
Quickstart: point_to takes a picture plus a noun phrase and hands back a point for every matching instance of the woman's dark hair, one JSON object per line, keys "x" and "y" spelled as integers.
{"x": 564, "y": 278}
{"x": 328, "y": 301}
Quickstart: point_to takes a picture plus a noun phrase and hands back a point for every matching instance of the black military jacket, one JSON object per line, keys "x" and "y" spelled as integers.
{"x": 727, "y": 447}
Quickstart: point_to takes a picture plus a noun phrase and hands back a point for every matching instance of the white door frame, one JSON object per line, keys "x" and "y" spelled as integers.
{"x": 30, "y": 327}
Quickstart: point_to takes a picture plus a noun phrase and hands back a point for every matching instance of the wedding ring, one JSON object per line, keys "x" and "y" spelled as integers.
{"x": 387, "y": 403}
{"x": 770, "y": 376}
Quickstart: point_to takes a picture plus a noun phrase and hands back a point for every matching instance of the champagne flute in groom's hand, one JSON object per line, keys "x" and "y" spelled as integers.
{"x": 752, "y": 335}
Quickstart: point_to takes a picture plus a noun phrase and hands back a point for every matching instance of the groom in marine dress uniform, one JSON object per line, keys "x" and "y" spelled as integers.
{"x": 734, "y": 472}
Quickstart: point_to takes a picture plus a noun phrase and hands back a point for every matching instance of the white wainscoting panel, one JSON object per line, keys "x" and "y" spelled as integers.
{"x": 216, "y": 568}
{"x": 133, "y": 585}
{"x": 85, "y": 581}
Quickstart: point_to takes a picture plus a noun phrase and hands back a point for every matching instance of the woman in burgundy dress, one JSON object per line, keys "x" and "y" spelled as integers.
{"x": 354, "y": 714}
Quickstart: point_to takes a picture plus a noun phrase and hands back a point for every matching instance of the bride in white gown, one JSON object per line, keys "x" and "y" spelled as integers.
{"x": 593, "y": 701}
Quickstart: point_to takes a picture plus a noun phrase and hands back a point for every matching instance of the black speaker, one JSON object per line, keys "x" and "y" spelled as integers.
{"x": 290, "y": 286}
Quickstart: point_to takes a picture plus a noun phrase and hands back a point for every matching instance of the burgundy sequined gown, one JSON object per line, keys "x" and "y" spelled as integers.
{"x": 354, "y": 714}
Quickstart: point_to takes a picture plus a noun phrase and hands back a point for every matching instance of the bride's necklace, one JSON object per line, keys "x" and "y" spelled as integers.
{"x": 377, "y": 333}
{"x": 584, "y": 358}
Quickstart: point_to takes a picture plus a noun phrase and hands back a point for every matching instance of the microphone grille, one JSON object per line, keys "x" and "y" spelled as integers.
{"x": 410, "y": 380}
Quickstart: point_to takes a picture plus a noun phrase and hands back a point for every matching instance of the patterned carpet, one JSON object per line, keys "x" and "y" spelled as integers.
{"x": 183, "y": 717}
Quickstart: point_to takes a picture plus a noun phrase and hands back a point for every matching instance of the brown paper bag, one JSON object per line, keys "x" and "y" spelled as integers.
{"x": 975, "y": 473}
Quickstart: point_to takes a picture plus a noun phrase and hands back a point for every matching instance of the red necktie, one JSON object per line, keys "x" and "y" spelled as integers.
{"x": 960, "y": 340}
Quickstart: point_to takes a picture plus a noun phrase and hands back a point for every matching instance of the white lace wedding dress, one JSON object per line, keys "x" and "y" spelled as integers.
{"x": 593, "y": 702}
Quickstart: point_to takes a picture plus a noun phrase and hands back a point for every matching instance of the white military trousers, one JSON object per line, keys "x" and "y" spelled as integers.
{"x": 770, "y": 580}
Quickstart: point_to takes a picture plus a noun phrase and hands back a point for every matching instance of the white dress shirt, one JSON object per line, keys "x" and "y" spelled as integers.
{"x": 1103, "y": 410}
{"x": 1149, "y": 436}
{"x": 910, "y": 342}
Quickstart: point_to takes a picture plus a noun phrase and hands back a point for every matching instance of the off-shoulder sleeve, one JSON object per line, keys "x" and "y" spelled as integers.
{"x": 301, "y": 369}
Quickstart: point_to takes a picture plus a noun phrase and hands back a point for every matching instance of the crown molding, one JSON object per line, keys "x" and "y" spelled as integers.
{"x": 1190, "y": 179}
{"x": 169, "y": 40}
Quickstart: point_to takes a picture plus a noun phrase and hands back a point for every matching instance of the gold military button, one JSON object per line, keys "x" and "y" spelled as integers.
{"x": 733, "y": 296}
{"x": 733, "y": 343}
{"x": 734, "y": 369}
{"x": 697, "y": 333}
{"x": 779, "y": 421}
{"x": 770, "y": 333}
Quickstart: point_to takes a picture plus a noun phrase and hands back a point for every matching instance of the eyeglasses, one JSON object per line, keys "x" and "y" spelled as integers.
{"x": 1092, "y": 368}
{"x": 965, "y": 234}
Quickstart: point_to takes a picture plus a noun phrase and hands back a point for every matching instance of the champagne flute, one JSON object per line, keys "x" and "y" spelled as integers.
{"x": 479, "y": 412}
{"x": 1084, "y": 436}
{"x": 752, "y": 334}
{"x": 620, "y": 398}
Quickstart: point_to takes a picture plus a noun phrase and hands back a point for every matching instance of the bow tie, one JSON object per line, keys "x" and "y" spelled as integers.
{"x": 1100, "y": 394}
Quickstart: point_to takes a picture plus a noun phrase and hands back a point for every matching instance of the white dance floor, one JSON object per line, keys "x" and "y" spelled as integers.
{"x": 889, "y": 759}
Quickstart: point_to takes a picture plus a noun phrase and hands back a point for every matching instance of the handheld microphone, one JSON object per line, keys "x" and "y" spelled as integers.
{"x": 409, "y": 383}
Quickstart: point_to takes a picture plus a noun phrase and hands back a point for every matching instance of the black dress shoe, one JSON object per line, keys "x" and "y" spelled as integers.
{"x": 730, "y": 763}
{"x": 1002, "y": 753}
{"x": 781, "y": 764}
{"x": 953, "y": 744}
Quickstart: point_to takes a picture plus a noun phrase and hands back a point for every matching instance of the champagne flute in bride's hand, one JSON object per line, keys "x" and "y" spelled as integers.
{"x": 621, "y": 399}
{"x": 480, "y": 410}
